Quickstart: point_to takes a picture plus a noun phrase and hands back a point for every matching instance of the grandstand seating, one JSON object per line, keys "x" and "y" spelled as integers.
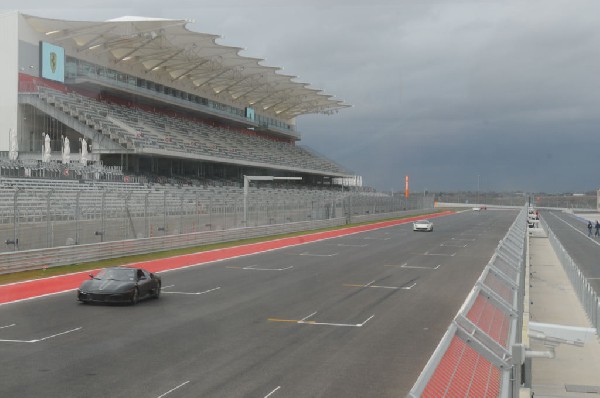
{"x": 140, "y": 129}
{"x": 33, "y": 198}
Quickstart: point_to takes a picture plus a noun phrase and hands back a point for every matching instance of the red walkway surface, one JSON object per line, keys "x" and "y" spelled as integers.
{"x": 41, "y": 287}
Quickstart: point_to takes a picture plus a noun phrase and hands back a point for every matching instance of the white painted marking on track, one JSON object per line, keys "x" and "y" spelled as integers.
{"x": 370, "y": 285}
{"x": 318, "y": 255}
{"x": 420, "y": 267}
{"x": 347, "y": 245}
{"x": 450, "y": 245}
{"x": 194, "y": 293}
{"x": 173, "y": 389}
{"x": 304, "y": 321}
{"x": 308, "y": 316}
{"x": 367, "y": 320}
{"x": 254, "y": 268}
{"x": 401, "y": 265}
{"x": 439, "y": 254}
{"x": 356, "y": 325}
{"x": 42, "y": 339}
{"x": 272, "y": 392}
{"x": 7, "y": 326}
{"x": 385, "y": 287}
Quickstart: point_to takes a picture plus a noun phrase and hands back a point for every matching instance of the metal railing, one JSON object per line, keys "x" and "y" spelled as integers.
{"x": 585, "y": 293}
{"x": 73, "y": 254}
{"x": 74, "y": 214}
{"x": 474, "y": 358}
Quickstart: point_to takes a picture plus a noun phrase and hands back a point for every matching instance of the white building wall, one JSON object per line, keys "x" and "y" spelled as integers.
{"x": 9, "y": 76}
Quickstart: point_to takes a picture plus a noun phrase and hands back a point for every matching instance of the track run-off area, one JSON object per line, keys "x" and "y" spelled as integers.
{"x": 347, "y": 313}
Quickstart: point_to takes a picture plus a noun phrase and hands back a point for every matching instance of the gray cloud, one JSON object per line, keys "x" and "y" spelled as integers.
{"x": 443, "y": 91}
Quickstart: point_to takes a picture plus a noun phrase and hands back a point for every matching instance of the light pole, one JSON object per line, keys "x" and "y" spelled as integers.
{"x": 477, "y": 190}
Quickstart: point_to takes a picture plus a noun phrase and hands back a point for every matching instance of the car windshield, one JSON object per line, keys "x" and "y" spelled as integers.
{"x": 117, "y": 274}
{"x": 423, "y": 222}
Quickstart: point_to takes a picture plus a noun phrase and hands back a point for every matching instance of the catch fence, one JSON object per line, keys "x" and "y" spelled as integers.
{"x": 75, "y": 214}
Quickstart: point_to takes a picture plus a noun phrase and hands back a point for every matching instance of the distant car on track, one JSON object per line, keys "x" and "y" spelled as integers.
{"x": 423, "y": 225}
{"x": 119, "y": 285}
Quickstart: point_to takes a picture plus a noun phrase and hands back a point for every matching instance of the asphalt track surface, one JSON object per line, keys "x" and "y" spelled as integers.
{"x": 354, "y": 316}
{"x": 572, "y": 233}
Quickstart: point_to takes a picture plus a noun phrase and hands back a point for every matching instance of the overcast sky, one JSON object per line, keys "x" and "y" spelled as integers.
{"x": 443, "y": 91}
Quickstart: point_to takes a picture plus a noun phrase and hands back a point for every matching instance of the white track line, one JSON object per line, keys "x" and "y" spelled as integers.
{"x": 308, "y": 316}
{"x": 439, "y": 254}
{"x": 271, "y": 393}
{"x": 318, "y": 255}
{"x": 253, "y": 268}
{"x": 173, "y": 389}
{"x": 7, "y": 326}
{"x": 194, "y": 293}
{"x": 42, "y": 339}
{"x": 418, "y": 267}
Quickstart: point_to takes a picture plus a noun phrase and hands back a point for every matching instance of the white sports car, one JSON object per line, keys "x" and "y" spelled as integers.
{"x": 423, "y": 225}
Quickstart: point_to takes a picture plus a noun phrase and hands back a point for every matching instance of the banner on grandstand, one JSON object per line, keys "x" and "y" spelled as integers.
{"x": 52, "y": 62}
{"x": 250, "y": 113}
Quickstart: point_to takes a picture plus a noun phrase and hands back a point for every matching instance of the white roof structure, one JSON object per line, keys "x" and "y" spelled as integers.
{"x": 167, "y": 49}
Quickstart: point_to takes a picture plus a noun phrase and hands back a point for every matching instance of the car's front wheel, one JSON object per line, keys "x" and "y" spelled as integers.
{"x": 157, "y": 291}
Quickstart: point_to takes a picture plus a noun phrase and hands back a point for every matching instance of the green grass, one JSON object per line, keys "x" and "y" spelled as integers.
{"x": 67, "y": 269}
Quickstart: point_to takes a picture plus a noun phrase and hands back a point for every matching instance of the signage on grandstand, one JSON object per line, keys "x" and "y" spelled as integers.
{"x": 52, "y": 62}
{"x": 250, "y": 113}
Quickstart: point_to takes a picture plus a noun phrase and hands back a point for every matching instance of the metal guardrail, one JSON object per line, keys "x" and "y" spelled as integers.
{"x": 38, "y": 213}
{"x": 585, "y": 293}
{"x": 73, "y": 254}
{"x": 66, "y": 255}
{"x": 474, "y": 358}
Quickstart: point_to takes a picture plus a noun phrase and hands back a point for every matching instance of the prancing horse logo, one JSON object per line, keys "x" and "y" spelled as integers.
{"x": 53, "y": 59}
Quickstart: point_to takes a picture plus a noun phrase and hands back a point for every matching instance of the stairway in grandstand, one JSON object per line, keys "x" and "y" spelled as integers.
{"x": 144, "y": 131}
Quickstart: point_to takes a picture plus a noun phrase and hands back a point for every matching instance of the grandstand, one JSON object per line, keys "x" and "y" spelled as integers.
{"x": 135, "y": 98}
{"x": 139, "y": 127}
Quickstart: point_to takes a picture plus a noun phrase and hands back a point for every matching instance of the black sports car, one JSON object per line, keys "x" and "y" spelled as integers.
{"x": 119, "y": 285}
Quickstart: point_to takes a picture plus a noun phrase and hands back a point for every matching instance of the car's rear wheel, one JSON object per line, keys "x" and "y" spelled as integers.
{"x": 135, "y": 296}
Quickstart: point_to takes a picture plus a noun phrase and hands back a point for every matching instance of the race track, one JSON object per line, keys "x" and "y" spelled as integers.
{"x": 354, "y": 316}
{"x": 572, "y": 233}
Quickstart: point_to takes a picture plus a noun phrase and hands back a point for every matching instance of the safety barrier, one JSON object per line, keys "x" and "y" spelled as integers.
{"x": 73, "y": 254}
{"x": 585, "y": 293}
{"x": 474, "y": 358}
{"x": 65, "y": 255}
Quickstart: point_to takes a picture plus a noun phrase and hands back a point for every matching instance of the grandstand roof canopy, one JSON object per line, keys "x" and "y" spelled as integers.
{"x": 166, "y": 47}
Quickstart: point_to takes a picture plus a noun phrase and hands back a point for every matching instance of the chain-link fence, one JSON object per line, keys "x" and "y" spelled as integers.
{"x": 45, "y": 218}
